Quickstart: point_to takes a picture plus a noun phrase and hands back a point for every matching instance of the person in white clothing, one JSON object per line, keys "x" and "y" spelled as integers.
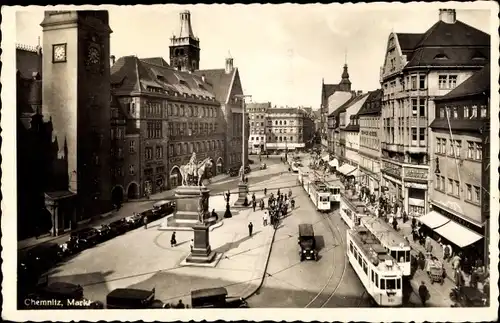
{"x": 264, "y": 219}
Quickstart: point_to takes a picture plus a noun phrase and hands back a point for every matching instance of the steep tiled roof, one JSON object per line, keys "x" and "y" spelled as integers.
{"x": 347, "y": 104}
{"x": 408, "y": 41}
{"x": 329, "y": 89}
{"x": 28, "y": 61}
{"x": 220, "y": 82}
{"x": 456, "y": 43}
{"x": 478, "y": 83}
{"x": 337, "y": 99}
{"x": 132, "y": 74}
{"x": 474, "y": 125}
{"x": 352, "y": 128}
{"x": 373, "y": 103}
{"x": 156, "y": 61}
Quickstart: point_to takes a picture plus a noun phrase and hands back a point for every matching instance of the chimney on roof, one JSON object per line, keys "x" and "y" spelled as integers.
{"x": 112, "y": 60}
{"x": 186, "y": 29}
{"x": 448, "y": 16}
{"x": 229, "y": 65}
{"x": 360, "y": 92}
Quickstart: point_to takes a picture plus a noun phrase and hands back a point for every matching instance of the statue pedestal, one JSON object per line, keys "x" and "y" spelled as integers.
{"x": 202, "y": 252}
{"x": 242, "y": 194}
{"x": 186, "y": 213}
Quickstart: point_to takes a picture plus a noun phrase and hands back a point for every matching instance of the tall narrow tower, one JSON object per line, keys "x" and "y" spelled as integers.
{"x": 76, "y": 98}
{"x": 185, "y": 47}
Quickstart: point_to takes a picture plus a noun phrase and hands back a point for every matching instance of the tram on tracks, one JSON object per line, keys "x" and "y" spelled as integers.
{"x": 318, "y": 191}
{"x": 376, "y": 268}
{"x": 351, "y": 210}
{"x": 391, "y": 240}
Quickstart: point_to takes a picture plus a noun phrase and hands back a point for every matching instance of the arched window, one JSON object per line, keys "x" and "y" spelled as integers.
{"x": 280, "y": 123}
{"x": 207, "y": 147}
{"x": 284, "y": 122}
{"x": 281, "y": 138}
{"x": 178, "y": 149}
{"x": 276, "y": 122}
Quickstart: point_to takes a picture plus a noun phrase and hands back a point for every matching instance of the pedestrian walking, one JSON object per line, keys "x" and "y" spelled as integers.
{"x": 254, "y": 205}
{"x": 292, "y": 203}
{"x": 253, "y": 197}
{"x": 250, "y": 229}
{"x": 264, "y": 219}
{"x": 145, "y": 221}
{"x": 423, "y": 292}
{"x": 191, "y": 244}
{"x": 173, "y": 240}
{"x": 265, "y": 191}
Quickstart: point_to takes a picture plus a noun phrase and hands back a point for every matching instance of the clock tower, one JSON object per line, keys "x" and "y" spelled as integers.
{"x": 76, "y": 99}
{"x": 185, "y": 48}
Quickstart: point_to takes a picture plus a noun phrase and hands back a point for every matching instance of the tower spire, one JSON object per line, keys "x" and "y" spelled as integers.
{"x": 345, "y": 57}
{"x": 186, "y": 29}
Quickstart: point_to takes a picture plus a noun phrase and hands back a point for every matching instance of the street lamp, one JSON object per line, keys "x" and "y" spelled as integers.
{"x": 242, "y": 186}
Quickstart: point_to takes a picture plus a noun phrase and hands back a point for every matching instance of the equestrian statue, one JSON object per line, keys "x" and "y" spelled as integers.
{"x": 194, "y": 172}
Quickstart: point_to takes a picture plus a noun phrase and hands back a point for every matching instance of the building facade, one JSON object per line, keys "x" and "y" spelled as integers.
{"x": 309, "y": 128}
{"x": 76, "y": 100}
{"x": 332, "y": 97}
{"x": 417, "y": 69}
{"x": 458, "y": 189}
{"x": 257, "y": 118}
{"x": 285, "y": 129}
{"x": 369, "y": 142}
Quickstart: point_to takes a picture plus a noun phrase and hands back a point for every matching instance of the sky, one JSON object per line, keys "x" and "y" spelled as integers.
{"x": 282, "y": 51}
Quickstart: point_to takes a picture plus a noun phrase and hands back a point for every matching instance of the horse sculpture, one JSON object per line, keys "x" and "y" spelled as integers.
{"x": 193, "y": 173}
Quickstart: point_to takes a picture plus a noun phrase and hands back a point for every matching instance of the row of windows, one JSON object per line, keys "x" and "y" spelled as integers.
{"x": 191, "y": 111}
{"x": 257, "y": 116}
{"x": 388, "y": 283}
{"x": 148, "y": 153}
{"x": 453, "y": 187}
{"x": 117, "y": 133}
{"x": 154, "y": 130}
{"x": 419, "y": 82}
{"x": 447, "y": 82}
{"x": 258, "y": 138}
{"x": 257, "y": 124}
{"x": 152, "y": 109}
{"x": 370, "y": 142}
{"x": 281, "y": 122}
{"x": 418, "y": 107}
{"x": 390, "y": 136}
{"x": 465, "y": 113}
{"x": 187, "y": 128}
{"x": 474, "y": 149}
{"x": 369, "y": 122}
{"x": 291, "y": 130}
{"x": 189, "y": 148}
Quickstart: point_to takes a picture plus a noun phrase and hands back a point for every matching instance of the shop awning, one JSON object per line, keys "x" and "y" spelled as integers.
{"x": 458, "y": 234}
{"x": 346, "y": 169}
{"x": 433, "y": 219}
{"x": 334, "y": 163}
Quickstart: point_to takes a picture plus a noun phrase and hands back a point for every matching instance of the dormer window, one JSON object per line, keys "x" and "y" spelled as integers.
{"x": 161, "y": 78}
{"x": 441, "y": 56}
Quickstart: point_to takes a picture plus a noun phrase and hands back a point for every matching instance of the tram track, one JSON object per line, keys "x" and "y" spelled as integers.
{"x": 329, "y": 289}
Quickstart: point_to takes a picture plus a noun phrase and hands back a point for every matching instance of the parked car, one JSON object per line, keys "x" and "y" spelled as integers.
{"x": 85, "y": 238}
{"x": 104, "y": 232}
{"x": 130, "y": 298}
{"x": 233, "y": 171}
{"x": 119, "y": 227}
{"x": 40, "y": 258}
{"x": 58, "y": 295}
{"x": 163, "y": 208}
{"x": 134, "y": 221}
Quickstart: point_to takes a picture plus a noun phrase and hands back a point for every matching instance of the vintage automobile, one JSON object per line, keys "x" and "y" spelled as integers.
{"x": 233, "y": 171}
{"x": 40, "y": 258}
{"x": 163, "y": 208}
{"x": 130, "y": 298}
{"x": 307, "y": 242}
{"x": 215, "y": 298}
{"x": 119, "y": 227}
{"x": 85, "y": 238}
{"x": 134, "y": 221}
{"x": 57, "y": 295}
{"x": 104, "y": 232}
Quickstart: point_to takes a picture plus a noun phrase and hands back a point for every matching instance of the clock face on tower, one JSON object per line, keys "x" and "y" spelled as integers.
{"x": 93, "y": 56}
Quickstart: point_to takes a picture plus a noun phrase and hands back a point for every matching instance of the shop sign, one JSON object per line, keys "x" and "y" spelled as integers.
{"x": 417, "y": 173}
{"x": 392, "y": 169}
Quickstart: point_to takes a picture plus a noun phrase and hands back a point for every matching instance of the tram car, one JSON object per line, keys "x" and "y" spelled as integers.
{"x": 378, "y": 271}
{"x": 391, "y": 240}
{"x": 351, "y": 211}
{"x": 319, "y": 195}
{"x": 303, "y": 174}
{"x": 335, "y": 188}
